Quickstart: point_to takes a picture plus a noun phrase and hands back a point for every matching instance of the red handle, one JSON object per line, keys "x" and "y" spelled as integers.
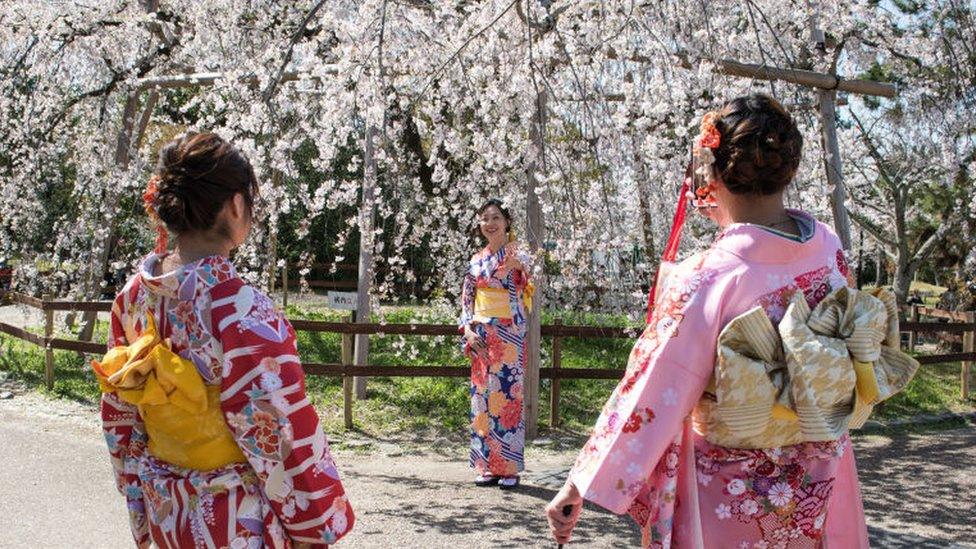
{"x": 674, "y": 239}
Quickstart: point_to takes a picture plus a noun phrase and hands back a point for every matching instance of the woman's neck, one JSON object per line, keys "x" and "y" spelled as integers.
{"x": 194, "y": 248}
{"x": 757, "y": 210}
{"x": 493, "y": 247}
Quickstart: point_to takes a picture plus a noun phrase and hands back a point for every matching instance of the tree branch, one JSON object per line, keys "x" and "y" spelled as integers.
{"x": 876, "y": 232}
{"x": 295, "y": 37}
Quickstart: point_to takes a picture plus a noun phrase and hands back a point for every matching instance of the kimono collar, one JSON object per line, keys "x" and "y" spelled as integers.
{"x": 754, "y": 243}
{"x": 184, "y": 282}
{"x": 484, "y": 262}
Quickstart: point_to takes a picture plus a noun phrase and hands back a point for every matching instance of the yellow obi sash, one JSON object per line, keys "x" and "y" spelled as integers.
{"x": 182, "y": 414}
{"x": 492, "y": 303}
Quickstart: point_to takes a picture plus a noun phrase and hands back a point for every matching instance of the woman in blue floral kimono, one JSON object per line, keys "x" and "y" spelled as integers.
{"x": 496, "y": 297}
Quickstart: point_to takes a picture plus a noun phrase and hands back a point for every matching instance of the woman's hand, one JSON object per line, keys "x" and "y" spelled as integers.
{"x": 560, "y": 524}
{"x": 511, "y": 258}
{"x": 475, "y": 343}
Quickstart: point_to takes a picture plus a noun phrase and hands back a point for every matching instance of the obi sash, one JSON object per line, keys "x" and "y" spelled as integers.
{"x": 492, "y": 303}
{"x": 810, "y": 379}
{"x": 181, "y": 413}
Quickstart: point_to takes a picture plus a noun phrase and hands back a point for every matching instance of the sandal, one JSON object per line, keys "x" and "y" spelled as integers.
{"x": 485, "y": 480}
{"x": 509, "y": 483}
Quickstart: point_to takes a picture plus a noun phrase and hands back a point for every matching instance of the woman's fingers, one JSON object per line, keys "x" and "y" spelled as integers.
{"x": 561, "y": 522}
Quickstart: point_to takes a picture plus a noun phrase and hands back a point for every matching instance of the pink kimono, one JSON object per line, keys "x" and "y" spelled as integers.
{"x": 644, "y": 456}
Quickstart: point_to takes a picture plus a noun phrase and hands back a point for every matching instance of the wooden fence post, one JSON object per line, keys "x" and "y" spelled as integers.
{"x": 347, "y": 382}
{"x": 912, "y": 317}
{"x": 968, "y": 346}
{"x": 557, "y": 359}
{"x": 284, "y": 286}
{"x": 48, "y": 351}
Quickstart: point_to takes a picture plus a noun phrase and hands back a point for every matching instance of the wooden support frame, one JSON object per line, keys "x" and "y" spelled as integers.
{"x": 557, "y": 360}
{"x": 968, "y": 346}
{"x": 48, "y": 350}
{"x": 912, "y": 336}
{"x": 347, "y": 382}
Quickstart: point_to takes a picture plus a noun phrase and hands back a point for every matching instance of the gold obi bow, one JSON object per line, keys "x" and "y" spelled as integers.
{"x": 491, "y": 303}
{"x": 820, "y": 373}
{"x": 181, "y": 413}
{"x": 527, "y": 294}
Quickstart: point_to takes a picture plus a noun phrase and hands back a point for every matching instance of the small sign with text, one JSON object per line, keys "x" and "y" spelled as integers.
{"x": 345, "y": 301}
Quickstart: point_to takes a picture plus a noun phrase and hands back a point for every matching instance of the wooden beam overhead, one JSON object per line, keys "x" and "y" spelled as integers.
{"x": 191, "y": 80}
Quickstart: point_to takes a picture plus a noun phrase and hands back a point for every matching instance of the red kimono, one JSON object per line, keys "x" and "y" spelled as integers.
{"x": 288, "y": 489}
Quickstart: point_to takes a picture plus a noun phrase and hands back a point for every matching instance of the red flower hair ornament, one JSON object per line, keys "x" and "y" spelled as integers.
{"x": 149, "y": 198}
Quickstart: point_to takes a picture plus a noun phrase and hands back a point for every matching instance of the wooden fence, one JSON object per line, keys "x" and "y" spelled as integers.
{"x": 956, "y": 327}
{"x": 557, "y": 331}
{"x": 347, "y": 330}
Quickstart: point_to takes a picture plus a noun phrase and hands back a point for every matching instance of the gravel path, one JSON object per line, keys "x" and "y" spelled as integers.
{"x": 56, "y": 490}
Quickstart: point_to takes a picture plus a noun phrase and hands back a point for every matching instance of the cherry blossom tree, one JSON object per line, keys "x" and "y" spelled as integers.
{"x": 443, "y": 104}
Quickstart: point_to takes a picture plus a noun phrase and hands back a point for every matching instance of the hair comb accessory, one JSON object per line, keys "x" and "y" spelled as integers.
{"x": 703, "y": 157}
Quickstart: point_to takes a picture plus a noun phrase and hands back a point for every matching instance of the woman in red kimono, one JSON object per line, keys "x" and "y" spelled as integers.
{"x": 212, "y": 438}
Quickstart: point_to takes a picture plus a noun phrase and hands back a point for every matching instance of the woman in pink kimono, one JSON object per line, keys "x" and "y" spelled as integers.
{"x": 645, "y": 456}
{"x": 212, "y": 438}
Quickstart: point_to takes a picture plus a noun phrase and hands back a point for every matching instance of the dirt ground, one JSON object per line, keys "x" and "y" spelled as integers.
{"x": 56, "y": 489}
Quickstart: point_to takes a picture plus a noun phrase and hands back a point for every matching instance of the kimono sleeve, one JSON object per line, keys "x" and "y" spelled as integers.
{"x": 467, "y": 300}
{"x": 667, "y": 372}
{"x": 264, "y": 402}
{"x": 126, "y": 438}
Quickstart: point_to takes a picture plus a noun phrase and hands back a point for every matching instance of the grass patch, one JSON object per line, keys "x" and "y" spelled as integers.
{"x": 936, "y": 388}
{"x": 925, "y": 287}
{"x": 73, "y": 379}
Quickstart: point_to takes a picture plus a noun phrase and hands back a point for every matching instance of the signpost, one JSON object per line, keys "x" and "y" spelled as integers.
{"x": 344, "y": 301}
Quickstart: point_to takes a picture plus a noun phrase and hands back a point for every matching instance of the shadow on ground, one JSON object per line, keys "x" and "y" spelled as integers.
{"x": 498, "y": 511}
{"x": 919, "y": 487}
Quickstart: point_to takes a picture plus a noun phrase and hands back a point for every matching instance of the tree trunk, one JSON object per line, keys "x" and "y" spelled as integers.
{"x": 902, "y": 280}
{"x": 366, "y": 222}
{"x": 832, "y": 165}
{"x": 879, "y": 266}
{"x": 645, "y": 207}
{"x": 536, "y": 237}
{"x": 91, "y": 287}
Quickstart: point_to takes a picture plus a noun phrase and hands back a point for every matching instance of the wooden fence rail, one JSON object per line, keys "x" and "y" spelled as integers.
{"x": 963, "y": 323}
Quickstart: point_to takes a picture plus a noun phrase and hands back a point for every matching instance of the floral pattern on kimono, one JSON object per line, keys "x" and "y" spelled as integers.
{"x": 781, "y": 493}
{"x": 497, "y": 424}
{"x": 644, "y": 456}
{"x": 289, "y": 489}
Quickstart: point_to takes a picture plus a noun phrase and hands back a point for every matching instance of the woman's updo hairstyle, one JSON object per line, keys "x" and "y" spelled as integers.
{"x": 760, "y": 148}
{"x": 196, "y": 175}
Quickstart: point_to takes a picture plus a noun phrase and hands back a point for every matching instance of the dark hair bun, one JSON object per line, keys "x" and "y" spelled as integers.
{"x": 760, "y": 148}
{"x": 196, "y": 175}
